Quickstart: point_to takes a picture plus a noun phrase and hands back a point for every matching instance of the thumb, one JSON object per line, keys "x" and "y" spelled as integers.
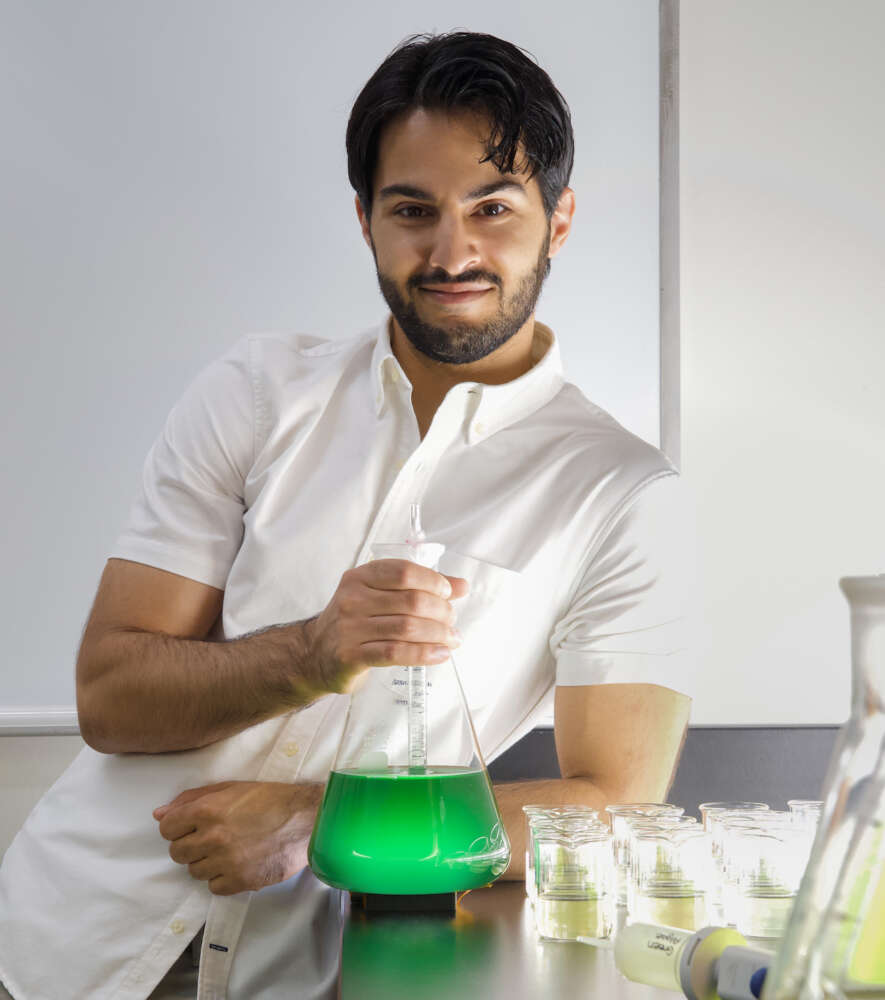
{"x": 189, "y": 795}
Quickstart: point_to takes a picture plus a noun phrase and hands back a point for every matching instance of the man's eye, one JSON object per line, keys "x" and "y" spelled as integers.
{"x": 406, "y": 211}
{"x": 492, "y": 210}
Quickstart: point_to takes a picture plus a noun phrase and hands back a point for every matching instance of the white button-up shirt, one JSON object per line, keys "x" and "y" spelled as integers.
{"x": 281, "y": 466}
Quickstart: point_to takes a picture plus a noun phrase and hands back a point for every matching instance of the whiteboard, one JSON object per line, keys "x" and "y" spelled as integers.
{"x": 174, "y": 176}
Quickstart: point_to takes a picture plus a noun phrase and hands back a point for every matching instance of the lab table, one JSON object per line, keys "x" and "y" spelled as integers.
{"x": 489, "y": 950}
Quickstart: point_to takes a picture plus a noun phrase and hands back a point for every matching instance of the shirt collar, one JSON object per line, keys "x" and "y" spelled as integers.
{"x": 493, "y": 406}
{"x": 385, "y": 367}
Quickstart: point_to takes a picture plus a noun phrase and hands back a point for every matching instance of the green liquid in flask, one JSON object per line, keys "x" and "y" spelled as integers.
{"x": 408, "y": 831}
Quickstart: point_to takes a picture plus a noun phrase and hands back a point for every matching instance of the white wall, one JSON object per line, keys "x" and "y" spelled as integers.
{"x": 783, "y": 342}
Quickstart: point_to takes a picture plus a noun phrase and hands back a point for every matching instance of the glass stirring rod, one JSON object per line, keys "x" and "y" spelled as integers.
{"x": 417, "y": 675}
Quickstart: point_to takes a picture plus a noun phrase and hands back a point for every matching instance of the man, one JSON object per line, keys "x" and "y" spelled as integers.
{"x": 241, "y": 602}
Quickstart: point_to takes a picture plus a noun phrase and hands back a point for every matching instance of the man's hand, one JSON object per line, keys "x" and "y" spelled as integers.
{"x": 240, "y": 835}
{"x": 390, "y": 611}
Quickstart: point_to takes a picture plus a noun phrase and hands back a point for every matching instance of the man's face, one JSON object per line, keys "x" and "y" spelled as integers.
{"x": 461, "y": 268}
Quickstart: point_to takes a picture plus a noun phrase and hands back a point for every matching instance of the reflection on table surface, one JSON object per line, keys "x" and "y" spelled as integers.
{"x": 489, "y": 949}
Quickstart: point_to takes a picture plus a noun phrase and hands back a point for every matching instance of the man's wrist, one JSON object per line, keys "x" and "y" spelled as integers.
{"x": 311, "y": 682}
{"x": 286, "y": 650}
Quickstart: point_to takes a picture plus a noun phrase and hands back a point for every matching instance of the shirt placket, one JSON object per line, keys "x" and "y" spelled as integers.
{"x": 169, "y": 943}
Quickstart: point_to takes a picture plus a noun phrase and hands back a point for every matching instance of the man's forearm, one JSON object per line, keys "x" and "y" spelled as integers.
{"x": 513, "y": 795}
{"x": 152, "y": 693}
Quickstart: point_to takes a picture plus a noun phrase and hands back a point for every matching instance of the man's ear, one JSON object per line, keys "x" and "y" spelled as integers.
{"x": 364, "y": 222}
{"x": 561, "y": 221}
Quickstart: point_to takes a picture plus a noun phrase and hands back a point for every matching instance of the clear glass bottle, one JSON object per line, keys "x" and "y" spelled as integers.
{"x": 834, "y": 945}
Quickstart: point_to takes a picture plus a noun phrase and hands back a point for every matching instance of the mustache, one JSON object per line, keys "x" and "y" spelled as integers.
{"x": 442, "y": 278}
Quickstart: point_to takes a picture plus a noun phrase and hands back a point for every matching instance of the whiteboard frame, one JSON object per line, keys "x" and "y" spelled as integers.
{"x": 670, "y": 404}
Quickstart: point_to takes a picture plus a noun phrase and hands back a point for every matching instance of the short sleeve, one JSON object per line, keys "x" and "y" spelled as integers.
{"x": 627, "y": 621}
{"x": 187, "y": 517}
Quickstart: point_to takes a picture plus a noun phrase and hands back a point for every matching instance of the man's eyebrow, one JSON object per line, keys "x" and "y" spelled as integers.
{"x": 493, "y": 188}
{"x": 410, "y": 191}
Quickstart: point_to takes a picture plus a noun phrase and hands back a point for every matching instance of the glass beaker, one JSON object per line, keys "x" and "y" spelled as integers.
{"x": 806, "y": 813}
{"x": 537, "y": 816}
{"x": 764, "y": 865}
{"x": 619, "y": 814}
{"x": 713, "y": 816}
{"x": 637, "y": 825}
{"x": 531, "y": 813}
{"x": 674, "y": 876}
{"x": 408, "y": 808}
{"x": 575, "y": 876}
{"x": 833, "y": 945}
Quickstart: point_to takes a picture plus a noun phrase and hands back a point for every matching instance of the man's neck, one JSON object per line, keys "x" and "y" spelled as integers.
{"x": 431, "y": 380}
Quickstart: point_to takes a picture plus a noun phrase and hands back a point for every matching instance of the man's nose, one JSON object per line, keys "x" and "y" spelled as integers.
{"x": 454, "y": 248}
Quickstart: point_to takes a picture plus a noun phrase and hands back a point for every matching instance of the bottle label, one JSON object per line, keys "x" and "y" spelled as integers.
{"x": 665, "y": 941}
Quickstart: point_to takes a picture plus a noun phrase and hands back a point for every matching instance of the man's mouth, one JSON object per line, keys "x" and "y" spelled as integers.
{"x": 455, "y": 294}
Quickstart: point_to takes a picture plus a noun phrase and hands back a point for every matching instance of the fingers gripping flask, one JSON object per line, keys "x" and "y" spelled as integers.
{"x": 409, "y": 808}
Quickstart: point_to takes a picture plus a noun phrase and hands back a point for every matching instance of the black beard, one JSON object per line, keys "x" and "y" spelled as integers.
{"x": 461, "y": 343}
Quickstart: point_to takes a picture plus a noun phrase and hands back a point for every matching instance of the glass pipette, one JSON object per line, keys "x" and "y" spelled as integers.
{"x": 417, "y": 675}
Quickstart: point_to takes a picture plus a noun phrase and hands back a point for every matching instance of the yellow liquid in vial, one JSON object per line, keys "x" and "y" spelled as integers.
{"x": 859, "y": 959}
{"x": 650, "y": 955}
{"x": 688, "y": 912}
{"x": 868, "y": 962}
{"x": 559, "y": 918}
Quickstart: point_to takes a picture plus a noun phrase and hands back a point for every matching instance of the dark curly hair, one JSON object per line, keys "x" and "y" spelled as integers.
{"x": 470, "y": 71}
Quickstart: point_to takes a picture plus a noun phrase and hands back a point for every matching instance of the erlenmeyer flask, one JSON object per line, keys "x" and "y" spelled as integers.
{"x": 834, "y": 945}
{"x": 409, "y": 807}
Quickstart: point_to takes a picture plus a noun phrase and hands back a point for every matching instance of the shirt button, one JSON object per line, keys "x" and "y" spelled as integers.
{"x": 394, "y": 376}
{"x": 479, "y": 428}
{"x": 177, "y": 926}
{"x": 290, "y": 749}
